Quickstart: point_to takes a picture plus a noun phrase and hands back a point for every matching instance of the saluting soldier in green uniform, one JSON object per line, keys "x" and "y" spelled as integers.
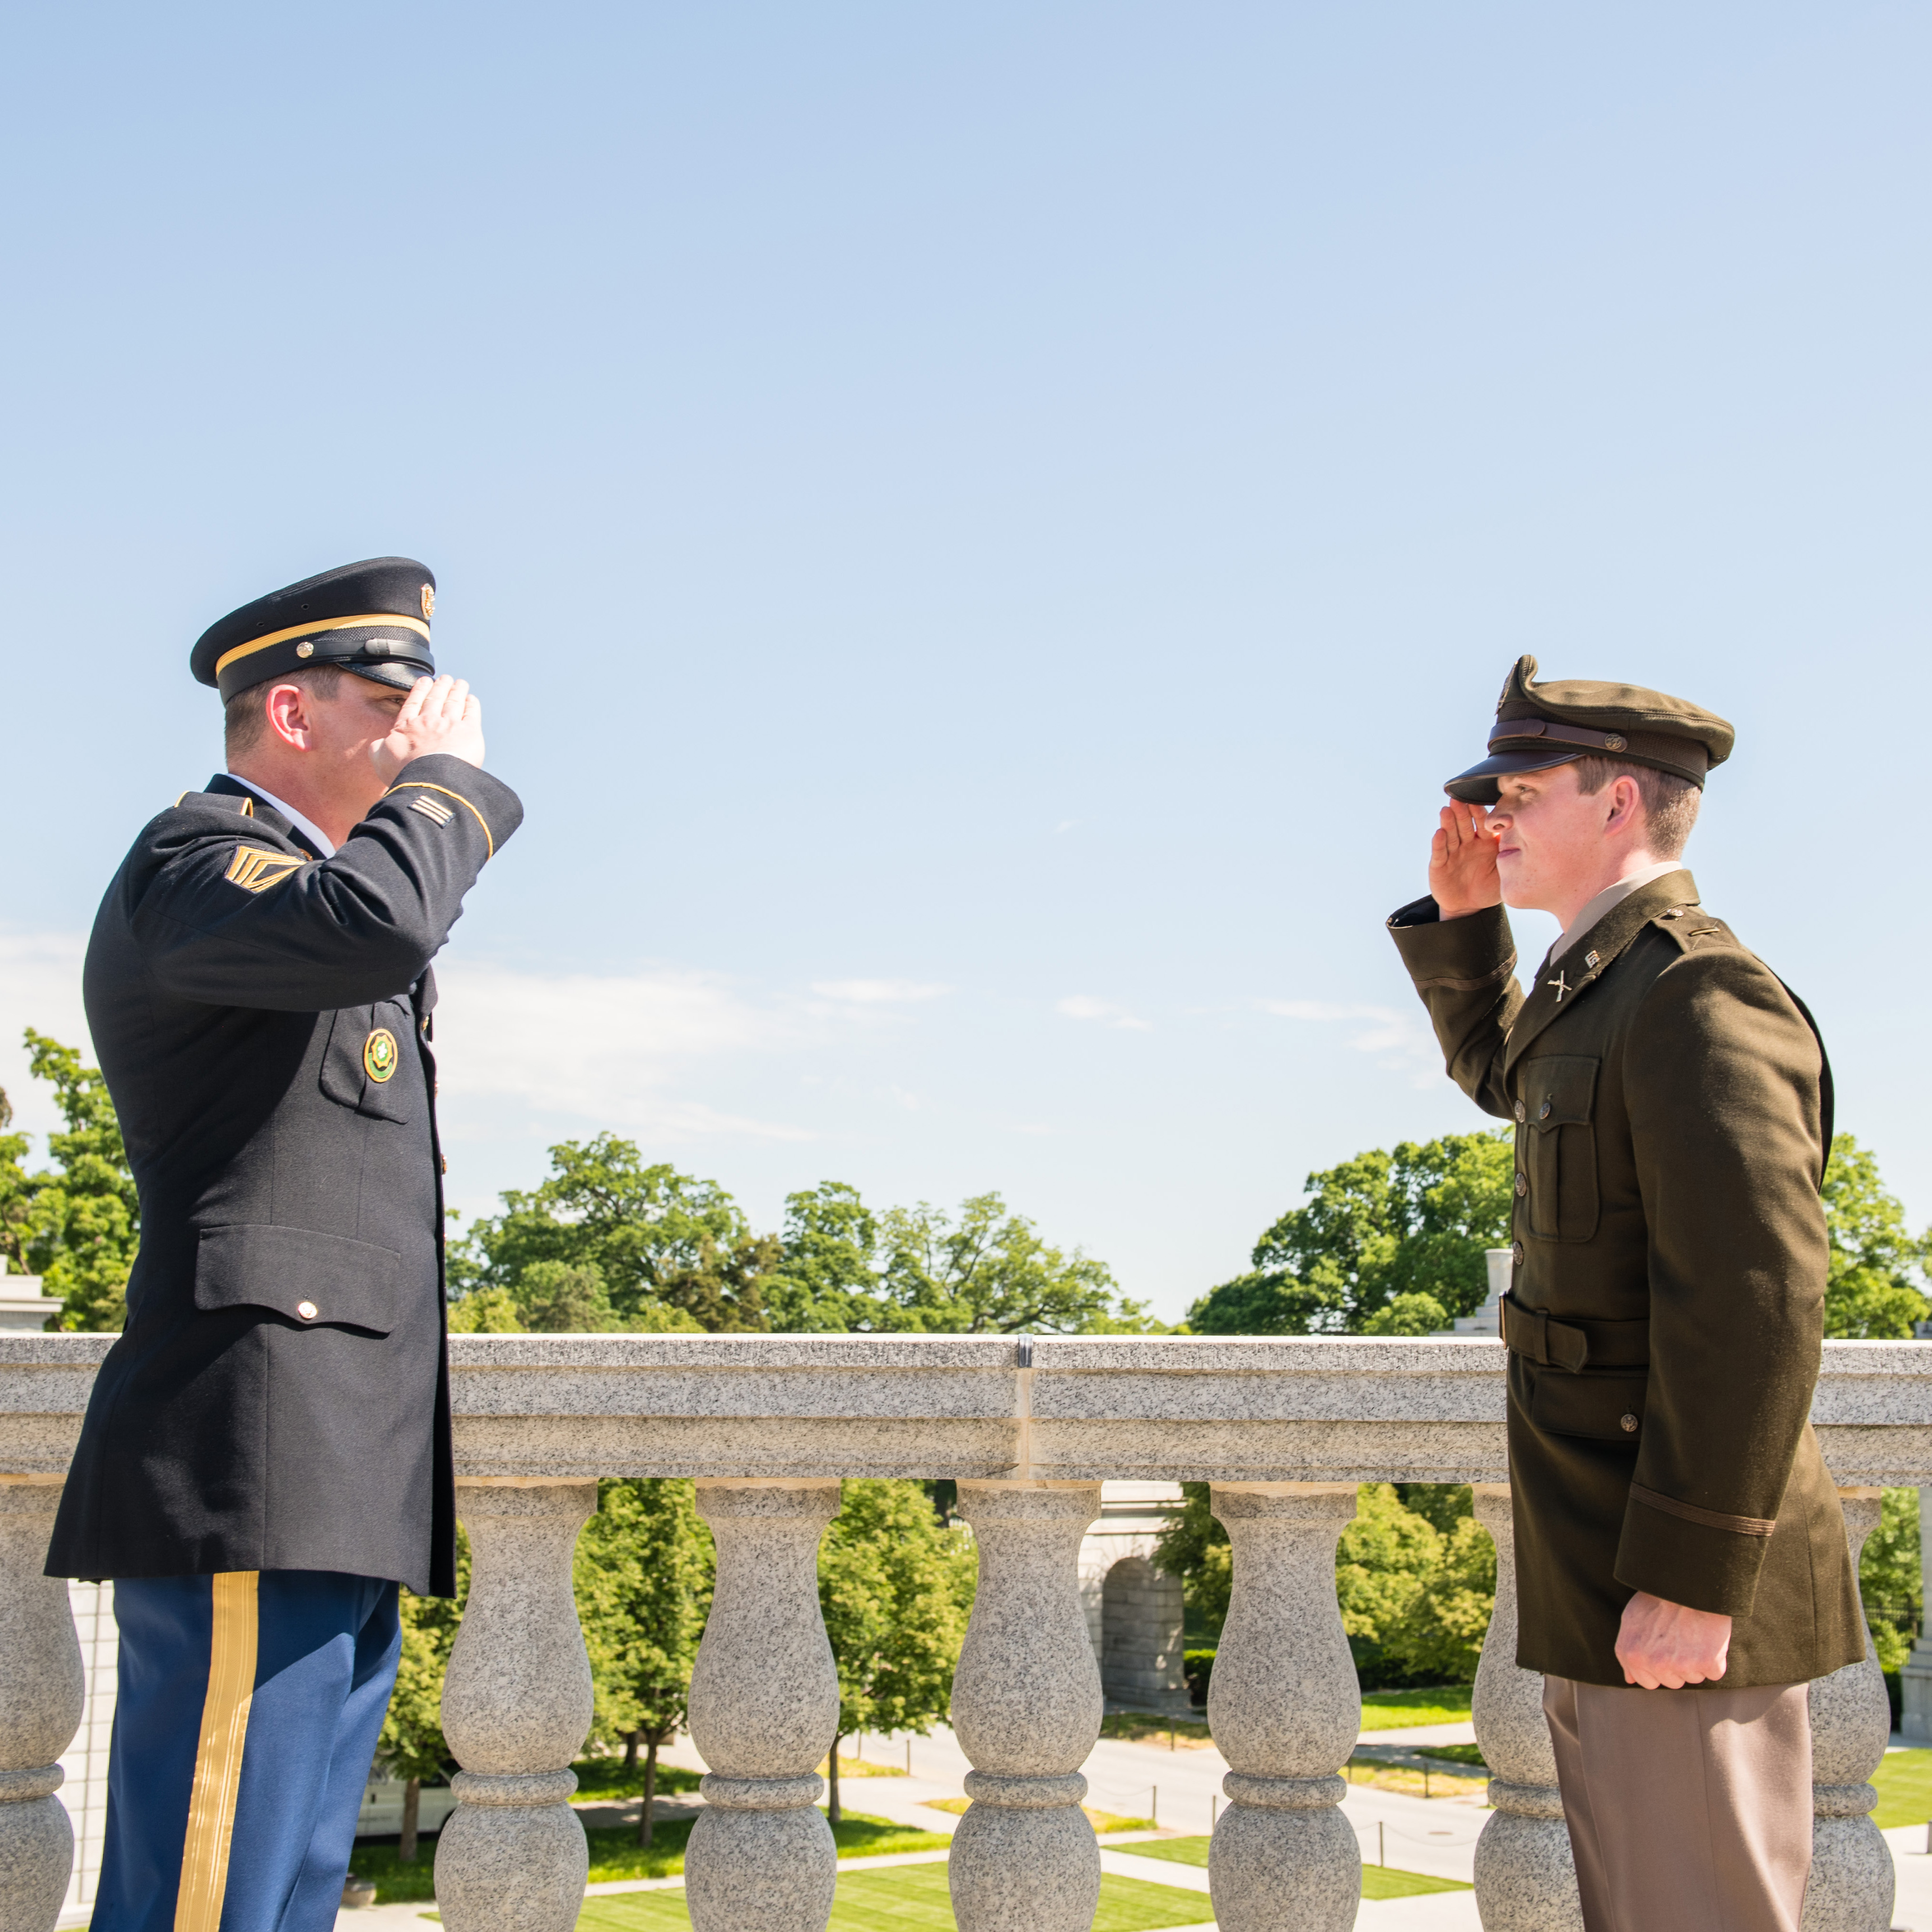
{"x": 1683, "y": 1564}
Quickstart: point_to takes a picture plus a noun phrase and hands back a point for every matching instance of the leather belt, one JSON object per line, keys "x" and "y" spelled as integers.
{"x": 1574, "y": 1343}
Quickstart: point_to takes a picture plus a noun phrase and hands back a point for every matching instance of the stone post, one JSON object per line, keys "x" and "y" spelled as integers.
{"x": 516, "y": 1707}
{"x": 1525, "y": 1876}
{"x": 1284, "y": 1709}
{"x": 1026, "y": 1709}
{"x": 764, "y": 1710}
{"x": 1852, "y": 1878}
{"x": 42, "y": 1691}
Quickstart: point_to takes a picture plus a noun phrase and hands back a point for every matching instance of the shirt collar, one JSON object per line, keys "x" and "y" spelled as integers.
{"x": 325, "y": 847}
{"x": 1609, "y": 896}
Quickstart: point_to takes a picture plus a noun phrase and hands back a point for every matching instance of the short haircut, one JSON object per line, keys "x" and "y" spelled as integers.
{"x": 245, "y": 716}
{"x": 1670, "y": 803}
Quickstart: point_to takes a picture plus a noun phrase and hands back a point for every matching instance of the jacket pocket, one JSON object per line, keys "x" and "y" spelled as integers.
{"x": 1608, "y": 1407}
{"x": 370, "y": 1060}
{"x": 1559, "y": 1094}
{"x": 316, "y": 1280}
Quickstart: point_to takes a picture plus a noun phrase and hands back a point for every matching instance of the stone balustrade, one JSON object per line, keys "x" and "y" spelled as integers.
{"x": 1283, "y": 1430}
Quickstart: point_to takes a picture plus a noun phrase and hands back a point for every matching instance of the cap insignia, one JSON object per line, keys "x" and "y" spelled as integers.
{"x": 255, "y": 870}
{"x": 305, "y": 649}
{"x": 379, "y": 1055}
{"x": 1614, "y": 741}
{"x": 428, "y": 601}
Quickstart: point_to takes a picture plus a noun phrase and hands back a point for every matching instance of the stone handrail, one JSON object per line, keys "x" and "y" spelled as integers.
{"x": 1283, "y": 1429}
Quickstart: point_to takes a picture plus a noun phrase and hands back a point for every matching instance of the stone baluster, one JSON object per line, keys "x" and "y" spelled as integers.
{"x": 1853, "y": 1876}
{"x": 516, "y": 1707}
{"x": 1026, "y": 1709}
{"x": 1284, "y": 1709}
{"x": 764, "y": 1709}
{"x": 42, "y": 1691}
{"x": 1525, "y": 1876}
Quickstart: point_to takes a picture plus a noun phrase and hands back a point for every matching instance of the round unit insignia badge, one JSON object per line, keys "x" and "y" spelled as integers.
{"x": 429, "y": 602}
{"x": 379, "y": 1055}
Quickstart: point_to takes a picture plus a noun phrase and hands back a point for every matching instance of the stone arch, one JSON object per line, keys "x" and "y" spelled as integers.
{"x": 1142, "y": 1616}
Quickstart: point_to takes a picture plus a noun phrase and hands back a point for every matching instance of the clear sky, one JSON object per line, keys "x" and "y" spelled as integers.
{"x": 980, "y": 531}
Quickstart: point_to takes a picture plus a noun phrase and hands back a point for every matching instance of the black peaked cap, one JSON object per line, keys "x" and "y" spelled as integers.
{"x": 1540, "y": 725}
{"x": 371, "y": 618}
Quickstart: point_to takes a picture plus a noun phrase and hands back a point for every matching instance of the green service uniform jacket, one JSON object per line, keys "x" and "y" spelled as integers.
{"x": 1666, "y": 1316}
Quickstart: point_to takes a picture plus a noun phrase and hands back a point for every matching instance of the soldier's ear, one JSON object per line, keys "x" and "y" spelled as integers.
{"x": 290, "y": 719}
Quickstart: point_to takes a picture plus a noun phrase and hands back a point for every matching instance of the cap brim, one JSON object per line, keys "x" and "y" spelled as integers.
{"x": 1477, "y": 785}
{"x": 402, "y": 674}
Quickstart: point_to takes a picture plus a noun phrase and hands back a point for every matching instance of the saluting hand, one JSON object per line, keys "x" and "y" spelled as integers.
{"x": 1664, "y": 1646}
{"x": 438, "y": 715}
{"x": 1462, "y": 862}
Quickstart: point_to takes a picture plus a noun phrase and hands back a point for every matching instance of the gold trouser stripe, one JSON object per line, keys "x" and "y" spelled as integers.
{"x": 217, "y": 1759}
{"x": 379, "y": 620}
{"x": 423, "y": 785}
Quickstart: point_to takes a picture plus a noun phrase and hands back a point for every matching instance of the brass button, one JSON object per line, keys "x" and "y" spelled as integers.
{"x": 446, "y": 1163}
{"x": 1542, "y": 1112}
{"x": 1521, "y": 1111}
{"x": 307, "y": 1310}
{"x": 1516, "y": 1253}
{"x": 1521, "y": 1184}
{"x": 1629, "y": 1423}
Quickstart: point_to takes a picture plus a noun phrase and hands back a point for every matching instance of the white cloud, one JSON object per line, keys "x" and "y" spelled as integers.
{"x": 1083, "y": 1007}
{"x": 876, "y": 992}
{"x": 1404, "y": 1037}
{"x": 39, "y": 987}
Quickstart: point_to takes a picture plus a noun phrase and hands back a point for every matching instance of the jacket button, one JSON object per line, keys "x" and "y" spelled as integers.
{"x": 1542, "y": 1112}
{"x": 1521, "y": 1111}
{"x": 1521, "y": 1184}
{"x": 1629, "y": 1424}
{"x": 445, "y": 1159}
{"x": 1516, "y": 1253}
{"x": 307, "y": 1310}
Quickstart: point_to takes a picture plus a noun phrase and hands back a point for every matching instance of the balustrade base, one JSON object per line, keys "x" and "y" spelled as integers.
{"x": 1028, "y": 1869}
{"x": 1271, "y": 1866}
{"x": 1853, "y": 1879}
{"x": 514, "y": 1868}
{"x": 759, "y": 1871}
{"x": 36, "y": 1855}
{"x": 1525, "y": 1872}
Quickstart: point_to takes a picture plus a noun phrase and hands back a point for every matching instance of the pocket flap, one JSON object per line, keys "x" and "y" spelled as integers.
{"x": 1610, "y": 1408}
{"x": 316, "y": 1280}
{"x": 1559, "y": 1090}
{"x": 365, "y": 1064}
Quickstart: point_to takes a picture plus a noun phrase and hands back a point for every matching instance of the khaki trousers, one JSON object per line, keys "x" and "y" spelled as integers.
{"x": 1689, "y": 1811}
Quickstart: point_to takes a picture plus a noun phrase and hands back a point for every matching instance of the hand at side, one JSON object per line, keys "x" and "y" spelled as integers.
{"x": 1462, "y": 862}
{"x": 1665, "y": 1646}
{"x": 438, "y": 715}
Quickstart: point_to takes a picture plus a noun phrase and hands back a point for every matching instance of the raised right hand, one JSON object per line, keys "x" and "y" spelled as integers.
{"x": 438, "y": 715}
{"x": 1462, "y": 862}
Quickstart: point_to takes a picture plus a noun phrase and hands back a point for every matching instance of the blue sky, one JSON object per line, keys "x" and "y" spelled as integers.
{"x": 980, "y": 531}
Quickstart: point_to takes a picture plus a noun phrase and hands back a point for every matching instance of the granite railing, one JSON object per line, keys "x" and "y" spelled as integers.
{"x": 1283, "y": 1430}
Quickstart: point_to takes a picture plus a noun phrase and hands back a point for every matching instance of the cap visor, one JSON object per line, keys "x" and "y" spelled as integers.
{"x": 402, "y": 675}
{"x": 1477, "y": 785}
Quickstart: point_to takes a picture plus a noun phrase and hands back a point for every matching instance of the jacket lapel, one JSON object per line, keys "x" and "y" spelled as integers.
{"x": 223, "y": 785}
{"x": 1564, "y": 981}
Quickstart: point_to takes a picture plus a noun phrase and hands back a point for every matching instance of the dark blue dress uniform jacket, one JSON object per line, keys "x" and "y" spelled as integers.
{"x": 280, "y": 1398}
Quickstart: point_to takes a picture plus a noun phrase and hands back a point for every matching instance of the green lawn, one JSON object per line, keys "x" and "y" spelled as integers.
{"x": 906, "y": 1898}
{"x": 605, "y": 1777}
{"x": 1378, "y": 1881}
{"x": 1904, "y": 1782}
{"x": 1394, "y": 1710}
{"x": 616, "y": 1854}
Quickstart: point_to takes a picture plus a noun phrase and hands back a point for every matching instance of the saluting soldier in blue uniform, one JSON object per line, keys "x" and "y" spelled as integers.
{"x": 266, "y": 1455}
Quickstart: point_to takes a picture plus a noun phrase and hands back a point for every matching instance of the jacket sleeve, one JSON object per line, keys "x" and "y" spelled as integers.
{"x": 214, "y": 924}
{"x": 1721, "y": 1082}
{"x": 1465, "y": 970}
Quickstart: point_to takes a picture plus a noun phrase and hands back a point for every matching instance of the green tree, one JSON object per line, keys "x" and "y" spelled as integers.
{"x": 76, "y": 1225}
{"x": 842, "y": 1268}
{"x": 1875, "y": 1285}
{"x": 896, "y": 1586}
{"x": 659, "y": 1240}
{"x": 412, "y": 1746}
{"x": 1889, "y": 1579}
{"x": 1389, "y": 1242}
{"x": 644, "y": 1569}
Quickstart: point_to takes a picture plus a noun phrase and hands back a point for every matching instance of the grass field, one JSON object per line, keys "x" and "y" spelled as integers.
{"x": 1904, "y": 1782}
{"x": 1378, "y": 1881}
{"x": 1397, "y": 1710}
{"x": 1103, "y": 1822}
{"x": 616, "y": 1854}
{"x": 910, "y": 1898}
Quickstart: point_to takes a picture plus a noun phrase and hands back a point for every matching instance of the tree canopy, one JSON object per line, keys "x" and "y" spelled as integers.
{"x": 1391, "y": 1242}
{"x": 1876, "y": 1285}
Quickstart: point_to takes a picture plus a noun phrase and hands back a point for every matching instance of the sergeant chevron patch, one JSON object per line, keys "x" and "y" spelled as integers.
{"x": 431, "y": 809}
{"x": 255, "y": 870}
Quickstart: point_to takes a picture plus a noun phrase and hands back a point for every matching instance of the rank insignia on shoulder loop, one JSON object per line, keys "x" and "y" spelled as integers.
{"x": 379, "y": 1055}
{"x": 255, "y": 870}
{"x": 1590, "y": 960}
